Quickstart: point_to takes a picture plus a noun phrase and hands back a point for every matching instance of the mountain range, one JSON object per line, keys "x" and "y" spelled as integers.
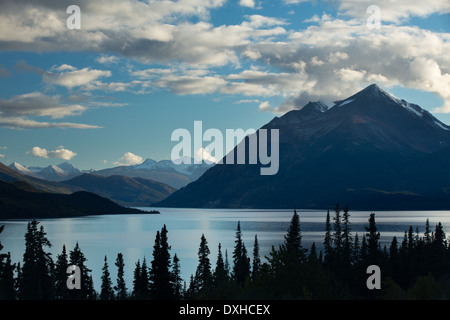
{"x": 176, "y": 174}
{"x": 370, "y": 151}
{"x": 165, "y": 171}
{"x": 125, "y": 191}
{"x": 20, "y": 199}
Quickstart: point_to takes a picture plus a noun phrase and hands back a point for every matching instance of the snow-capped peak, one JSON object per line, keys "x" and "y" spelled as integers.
{"x": 68, "y": 168}
{"x": 147, "y": 164}
{"x": 20, "y": 168}
{"x": 55, "y": 169}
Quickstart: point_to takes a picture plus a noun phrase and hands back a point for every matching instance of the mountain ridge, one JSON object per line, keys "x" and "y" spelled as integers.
{"x": 369, "y": 150}
{"x": 176, "y": 174}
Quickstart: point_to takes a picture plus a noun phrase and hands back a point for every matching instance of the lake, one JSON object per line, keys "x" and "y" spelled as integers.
{"x": 134, "y": 235}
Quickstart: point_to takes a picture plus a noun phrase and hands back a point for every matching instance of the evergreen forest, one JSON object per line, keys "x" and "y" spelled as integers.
{"x": 413, "y": 267}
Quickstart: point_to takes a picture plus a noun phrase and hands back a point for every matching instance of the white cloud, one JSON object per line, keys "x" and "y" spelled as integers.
{"x": 205, "y": 155}
{"x": 25, "y": 123}
{"x": 129, "y": 159}
{"x": 2, "y": 155}
{"x": 328, "y": 60}
{"x": 181, "y": 84}
{"x": 74, "y": 78}
{"x": 63, "y": 67}
{"x": 294, "y": 1}
{"x": 38, "y": 104}
{"x": 247, "y": 3}
{"x": 336, "y": 58}
{"x": 394, "y": 11}
{"x": 107, "y": 59}
{"x": 59, "y": 153}
{"x": 247, "y": 101}
{"x": 264, "y": 106}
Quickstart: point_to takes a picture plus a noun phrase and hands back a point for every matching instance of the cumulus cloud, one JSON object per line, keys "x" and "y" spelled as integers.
{"x": 336, "y": 58}
{"x": 394, "y": 11}
{"x": 129, "y": 159}
{"x": 71, "y": 77}
{"x": 330, "y": 59}
{"x": 59, "y": 153}
{"x": 247, "y": 3}
{"x": 155, "y": 31}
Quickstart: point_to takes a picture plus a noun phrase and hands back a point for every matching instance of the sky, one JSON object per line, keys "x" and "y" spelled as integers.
{"x": 113, "y": 90}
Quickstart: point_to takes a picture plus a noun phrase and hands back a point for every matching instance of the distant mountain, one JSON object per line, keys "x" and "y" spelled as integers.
{"x": 7, "y": 174}
{"x": 126, "y": 191}
{"x": 176, "y": 174}
{"x": 21, "y": 169}
{"x": 165, "y": 171}
{"x": 370, "y": 151}
{"x": 20, "y": 200}
{"x": 63, "y": 171}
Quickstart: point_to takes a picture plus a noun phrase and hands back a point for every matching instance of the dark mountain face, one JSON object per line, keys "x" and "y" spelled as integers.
{"x": 370, "y": 151}
{"x": 123, "y": 190}
{"x": 20, "y": 200}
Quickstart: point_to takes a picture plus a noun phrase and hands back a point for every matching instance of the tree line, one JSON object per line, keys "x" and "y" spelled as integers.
{"x": 415, "y": 267}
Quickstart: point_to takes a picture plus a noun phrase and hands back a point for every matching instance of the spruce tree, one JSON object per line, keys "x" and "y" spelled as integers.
{"x": 61, "y": 291}
{"x": 18, "y": 282}
{"x": 410, "y": 240}
{"x": 145, "y": 280}
{"x": 337, "y": 234}
{"x": 154, "y": 270}
{"x": 227, "y": 264}
{"x": 427, "y": 233}
{"x": 107, "y": 292}
{"x": 87, "y": 292}
{"x": 160, "y": 274}
{"x": 356, "y": 250}
{"x": 312, "y": 256}
{"x": 241, "y": 267}
{"x": 192, "y": 291}
{"x": 347, "y": 241}
{"x": 220, "y": 273}
{"x": 256, "y": 258}
{"x": 293, "y": 239}
{"x": 137, "y": 288}
{"x": 7, "y": 282}
{"x": 327, "y": 242}
{"x": 120, "y": 288}
{"x": 176, "y": 278}
{"x": 37, "y": 281}
{"x": 373, "y": 244}
{"x": 203, "y": 272}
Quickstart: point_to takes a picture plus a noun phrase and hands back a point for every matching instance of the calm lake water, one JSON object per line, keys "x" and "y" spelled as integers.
{"x": 134, "y": 235}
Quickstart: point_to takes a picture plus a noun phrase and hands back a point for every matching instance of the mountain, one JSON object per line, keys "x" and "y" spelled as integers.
{"x": 126, "y": 191}
{"x": 165, "y": 171}
{"x": 63, "y": 171}
{"x": 370, "y": 151}
{"x": 20, "y": 200}
{"x": 21, "y": 169}
{"x": 7, "y": 174}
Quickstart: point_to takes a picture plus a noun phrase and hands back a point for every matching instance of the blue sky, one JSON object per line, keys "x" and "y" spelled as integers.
{"x": 136, "y": 71}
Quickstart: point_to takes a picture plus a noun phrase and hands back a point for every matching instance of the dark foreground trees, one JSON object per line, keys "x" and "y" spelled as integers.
{"x": 415, "y": 267}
